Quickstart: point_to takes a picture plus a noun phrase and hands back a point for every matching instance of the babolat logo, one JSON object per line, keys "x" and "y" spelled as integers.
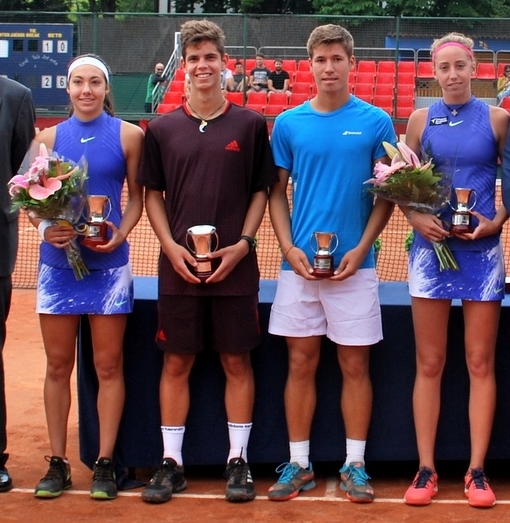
{"x": 440, "y": 120}
{"x": 345, "y": 133}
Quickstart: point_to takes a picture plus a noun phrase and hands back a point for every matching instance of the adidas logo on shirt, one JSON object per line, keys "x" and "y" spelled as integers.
{"x": 233, "y": 146}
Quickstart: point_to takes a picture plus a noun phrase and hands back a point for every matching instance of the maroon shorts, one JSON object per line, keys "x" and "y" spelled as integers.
{"x": 189, "y": 324}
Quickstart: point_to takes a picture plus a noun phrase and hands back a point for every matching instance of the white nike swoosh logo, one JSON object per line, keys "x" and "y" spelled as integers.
{"x": 120, "y": 303}
{"x": 85, "y": 140}
{"x": 453, "y": 124}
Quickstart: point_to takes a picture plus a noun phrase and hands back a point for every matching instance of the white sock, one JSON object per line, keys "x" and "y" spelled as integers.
{"x": 238, "y": 435}
{"x": 355, "y": 450}
{"x": 172, "y": 443}
{"x": 300, "y": 453}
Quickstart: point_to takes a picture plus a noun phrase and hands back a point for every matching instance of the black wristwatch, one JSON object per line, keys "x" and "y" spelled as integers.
{"x": 251, "y": 241}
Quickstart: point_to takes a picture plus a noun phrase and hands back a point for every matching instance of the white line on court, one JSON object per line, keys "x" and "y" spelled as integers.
{"x": 329, "y": 497}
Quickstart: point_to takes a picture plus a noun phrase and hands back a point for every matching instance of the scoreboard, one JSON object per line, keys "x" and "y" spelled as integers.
{"x": 37, "y": 56}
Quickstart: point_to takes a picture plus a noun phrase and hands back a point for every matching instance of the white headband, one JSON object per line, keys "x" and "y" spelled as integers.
{"x": 88, "y": 60}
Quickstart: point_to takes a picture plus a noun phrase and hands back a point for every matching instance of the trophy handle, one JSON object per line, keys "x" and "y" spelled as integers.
{"x": 333, "y": 249}
{"x": 312, "y": 236}
{"x": 110, "y": 207}
{"x": 473, "y": 194}
{"x": 215, "y": 234}
{"x": 188, "y": 245}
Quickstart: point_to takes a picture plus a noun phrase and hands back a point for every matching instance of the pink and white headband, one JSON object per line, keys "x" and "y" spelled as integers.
{"x": 88, "y": 60}
{"x": 455, "y": 44}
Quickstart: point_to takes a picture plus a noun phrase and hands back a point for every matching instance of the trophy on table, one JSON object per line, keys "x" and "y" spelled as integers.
{"x": 95, "y": 230}
{"x": 326, "y": 245}
{"x": 461, "y": 217}
{"x": 201, "y": 237}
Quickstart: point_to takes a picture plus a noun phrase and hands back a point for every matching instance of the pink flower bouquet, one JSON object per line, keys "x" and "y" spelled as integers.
{"x": 410, "y": 183}
{"x": 52, "y": 189}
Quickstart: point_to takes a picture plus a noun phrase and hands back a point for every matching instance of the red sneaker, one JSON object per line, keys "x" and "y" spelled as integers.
{"x": 422, "y": 489}
{"x": 477, "y": 489}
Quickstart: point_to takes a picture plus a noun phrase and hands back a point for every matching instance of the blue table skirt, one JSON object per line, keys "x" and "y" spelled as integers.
{"x": 206, "y": 441}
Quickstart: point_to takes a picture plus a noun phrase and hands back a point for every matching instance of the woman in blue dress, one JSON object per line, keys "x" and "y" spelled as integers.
{"x": 465, "y": 136}
{"x": 112, "y": 149}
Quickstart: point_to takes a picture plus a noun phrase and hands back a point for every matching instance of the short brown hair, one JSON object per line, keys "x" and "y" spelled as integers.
{"x": 330, "y": 34}
{"x": 194, "y": 32}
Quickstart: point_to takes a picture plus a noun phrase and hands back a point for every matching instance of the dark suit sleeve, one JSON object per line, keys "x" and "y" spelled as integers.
{"x": 24, "y": 131}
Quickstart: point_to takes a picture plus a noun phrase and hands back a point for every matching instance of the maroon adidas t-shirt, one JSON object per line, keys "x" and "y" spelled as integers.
{"x": 208, "y": 179}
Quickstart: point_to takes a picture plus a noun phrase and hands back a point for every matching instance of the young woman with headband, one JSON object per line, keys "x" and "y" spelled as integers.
{"x": 466, "y": 137}
{"x": 112, "y": 149}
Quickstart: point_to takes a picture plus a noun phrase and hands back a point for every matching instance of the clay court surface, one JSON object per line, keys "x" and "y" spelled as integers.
{"x": 204, "y": 498}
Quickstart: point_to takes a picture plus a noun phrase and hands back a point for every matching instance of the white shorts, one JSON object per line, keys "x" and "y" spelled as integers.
{"x": 347, "y": 312}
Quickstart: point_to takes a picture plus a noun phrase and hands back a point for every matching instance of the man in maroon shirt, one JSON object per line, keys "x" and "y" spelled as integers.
{"x": 207, "y": 163}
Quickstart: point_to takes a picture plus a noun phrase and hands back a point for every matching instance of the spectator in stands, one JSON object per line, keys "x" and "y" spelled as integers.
{"x": 504, "y": 85}
{"x": 241, "y": 80}
{"x": 259, "y": 75}
{"x": 465, "y": 136}
{"x": 156, "y": 78}
{"x": 17, "y": 128}
{"x": 189, "y": 181}
{"x": 112, "y": 149}
{"x": 279, "y": 80}
{"x": 307, "y": 142}
{"x": 226, "y": 79}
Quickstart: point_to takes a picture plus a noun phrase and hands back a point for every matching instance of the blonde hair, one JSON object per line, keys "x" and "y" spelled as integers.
{"x": 456, "y": 39}
{"x": 194, "y": 32}
{"x": 330, "y": 34}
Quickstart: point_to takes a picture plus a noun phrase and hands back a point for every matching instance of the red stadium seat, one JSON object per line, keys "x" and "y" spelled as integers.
{"x": 303, "y": 65}
{"x": 235, "y": 97}
{"x": 249, "y": 65}
{"x": 385, "y": 78}
{"x": 177, "y": 86}
{"x": 386, "y": 66}
{"x": 385, "y": 102}
{"x": 405, "y": 106}
{"x": 301, "y": 87}
{"x": 256, "y": 98}
{"x": 256, "y": 107}
{"x": 505, "y": 103}
{"x": 405, "y": 78}
{"x": 274, "y": 109}
{"x": 277, "y": 98}
{"x": 364, "y": 91}
{"x": 365, "y": 78}
{"x": 303, "y": 77}
{"x": 367, "y": 66}
{"x": 172, "y": 97}
{"x": 406, "y": 91}
{"x": 486, "y": 71}
{"x": 298, "y": 98}
{"x": 290, "y": 66}
{"x": 425, "y": 70}
{"x": 384, "y": 90}
{"x": 166, "y": 108}
{"x": 406, "y": 66}
{"x": 180, "y": 75}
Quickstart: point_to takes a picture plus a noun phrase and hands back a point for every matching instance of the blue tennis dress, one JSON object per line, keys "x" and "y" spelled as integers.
{"x": 465, "y": 146}
{"x": 108, "y": 289}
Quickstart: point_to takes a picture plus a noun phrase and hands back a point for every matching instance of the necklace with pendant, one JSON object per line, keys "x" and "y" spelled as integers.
{"x": 204, "y": 120}
{"x": 455, "y": 110}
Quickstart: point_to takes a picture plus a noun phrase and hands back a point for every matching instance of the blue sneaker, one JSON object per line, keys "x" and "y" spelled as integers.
{"x": 293, "y": 478}
{"x": 354, "y": 481}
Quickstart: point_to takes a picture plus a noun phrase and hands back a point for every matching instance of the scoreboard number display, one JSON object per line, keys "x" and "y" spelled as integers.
{"x": 37, "y": 56}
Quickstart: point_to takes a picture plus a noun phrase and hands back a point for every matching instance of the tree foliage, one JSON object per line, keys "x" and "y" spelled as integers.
{"x": 414, "y": 8}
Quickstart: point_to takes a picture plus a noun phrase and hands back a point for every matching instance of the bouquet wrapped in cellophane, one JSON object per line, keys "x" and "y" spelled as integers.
{"x": 52, "y": 188}
{"x": 410, "y": 183}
